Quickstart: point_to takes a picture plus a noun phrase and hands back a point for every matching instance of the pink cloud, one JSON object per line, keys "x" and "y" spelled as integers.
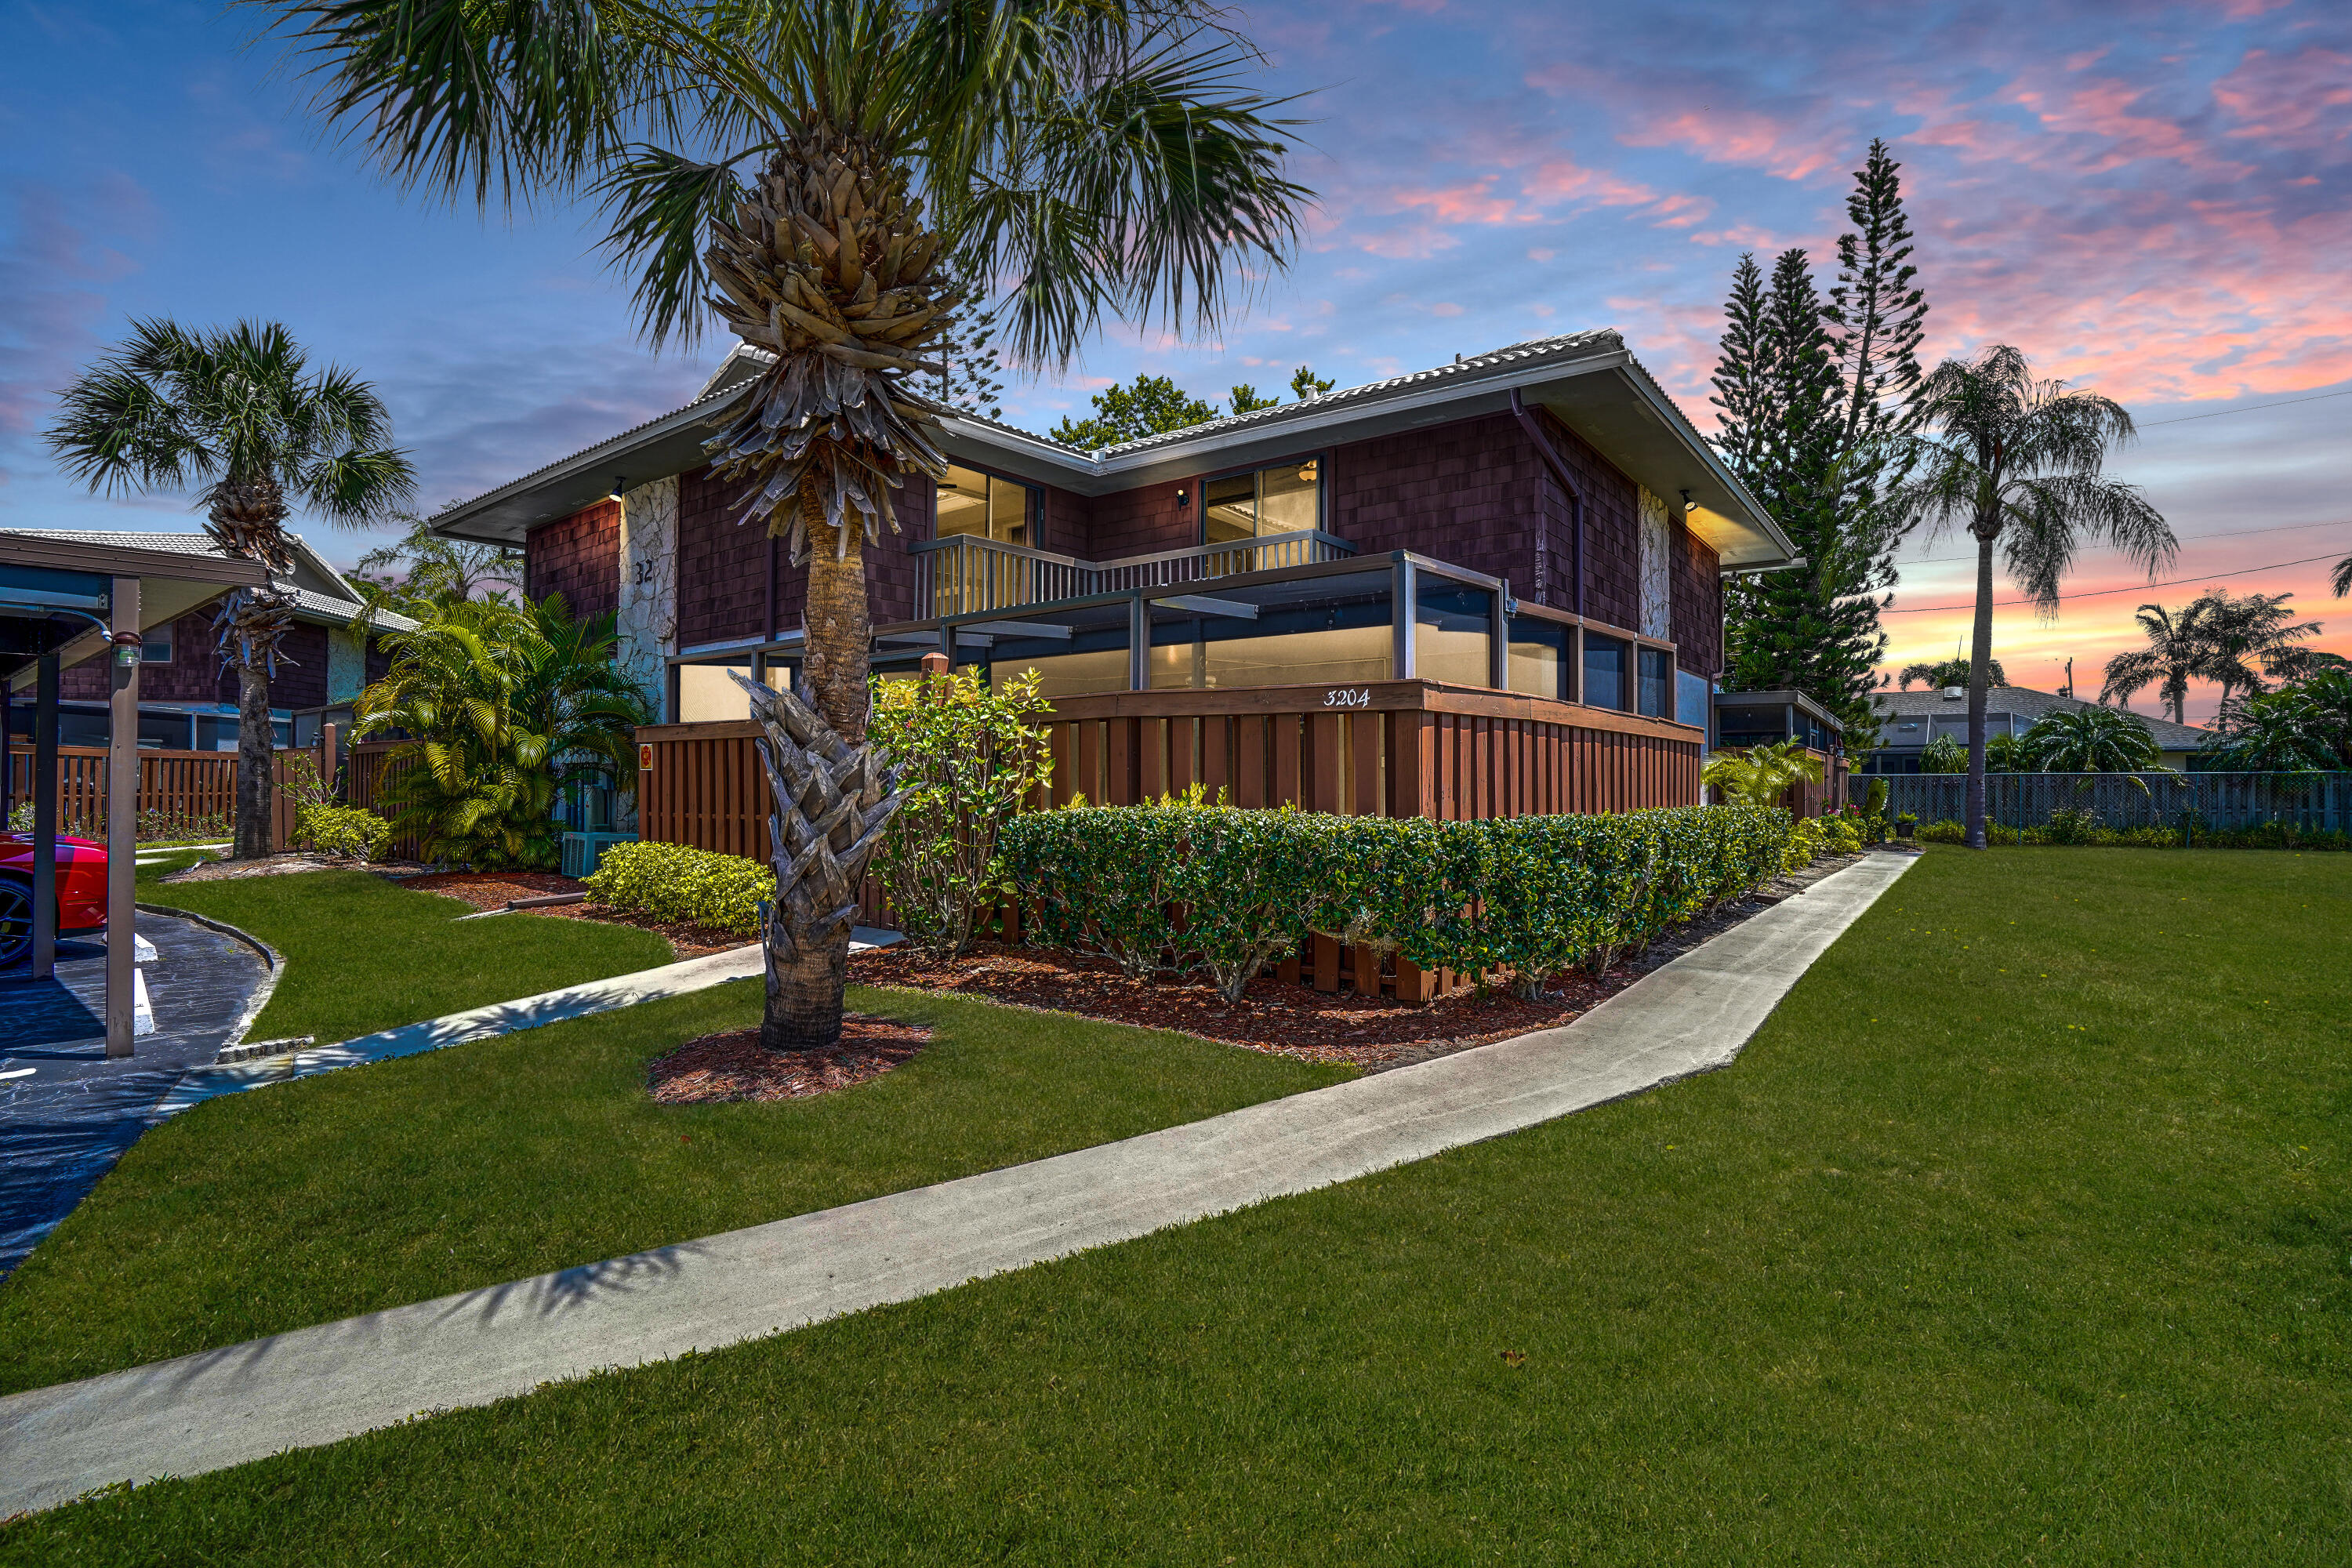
{"x": 2302, "y": 100}
{"x": 1750, "y": 137}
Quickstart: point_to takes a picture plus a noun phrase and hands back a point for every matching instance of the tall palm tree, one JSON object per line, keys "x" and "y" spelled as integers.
{"x": 2017, "y": 462}
{"x": 239, "y": 412}
{"x": 818, "y": 172}
{"x": 2242, "y": 633}
{"x": 2178, "y": 651}
{"x": 2342, "y": 581}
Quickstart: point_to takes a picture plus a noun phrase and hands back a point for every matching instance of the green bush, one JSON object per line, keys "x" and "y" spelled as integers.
{"x": 968, "y": 758}
{"x": 2082, "y": 828}
{"x": 678, "y": 885}
{"x": 1184, "y": 886}
{"x": 343, "y": 832}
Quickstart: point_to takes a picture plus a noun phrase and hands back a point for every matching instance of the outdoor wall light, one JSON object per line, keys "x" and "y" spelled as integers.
{"x": 619, "y": 484}
{"x": 1182, "y": 498}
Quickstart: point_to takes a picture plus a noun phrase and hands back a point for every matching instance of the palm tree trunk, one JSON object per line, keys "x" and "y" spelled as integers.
{"x": 1977, "y": 656}
{"x": 837, "y": 624}
{"x": 254, "y": 756}
{"x": 808, "y": 952}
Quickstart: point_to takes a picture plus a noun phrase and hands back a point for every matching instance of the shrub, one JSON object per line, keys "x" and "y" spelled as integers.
{"x": 679, "y": 885}
{"x": 1840, "y": 836}
{"x": 1183, "y": 885}
{"x": 968, "y": 758}
{"x": 343, "y": 832}
{"x": 1944, "y": 832}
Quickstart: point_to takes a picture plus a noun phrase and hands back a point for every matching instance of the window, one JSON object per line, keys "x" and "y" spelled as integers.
{"x": 1604, "y": 672}
{"x": 1325, "y": 631}
{"x": 1539, "y": 663}
{"x": 1692, "y": 695}
{"x": 1073, "y": 652}
{"x": 157, "y": 647}
{"x": 707, "y": 691}
{"x": 1284, "y": 499}
{"x": 1453, "y": 625}
{"x": 986, "y": 507}
{"x": 1656, "y": 669}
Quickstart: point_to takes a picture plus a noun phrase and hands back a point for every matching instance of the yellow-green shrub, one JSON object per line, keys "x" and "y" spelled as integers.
{"x": 678, "y": 885}
{"x": 345, "y": 832}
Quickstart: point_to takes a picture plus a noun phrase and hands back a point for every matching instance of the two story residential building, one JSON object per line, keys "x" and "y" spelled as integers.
{"x": 1487, "y": 587}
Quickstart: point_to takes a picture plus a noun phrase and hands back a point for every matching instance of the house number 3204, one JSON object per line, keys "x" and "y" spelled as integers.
{"x": 1343, "y": 697}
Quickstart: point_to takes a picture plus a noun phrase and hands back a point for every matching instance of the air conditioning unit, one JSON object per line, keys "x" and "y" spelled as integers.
{"x": 584, "y": 851}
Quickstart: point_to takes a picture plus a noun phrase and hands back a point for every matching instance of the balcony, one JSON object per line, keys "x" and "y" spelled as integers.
{"x": 965, "y": 574}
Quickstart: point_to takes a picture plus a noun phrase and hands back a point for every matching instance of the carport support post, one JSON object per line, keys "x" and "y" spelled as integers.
{"x": 44, "y": 817}
{"x": 123, "y": 822}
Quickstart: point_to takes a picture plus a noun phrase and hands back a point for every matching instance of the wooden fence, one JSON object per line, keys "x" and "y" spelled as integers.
{"x": 368, "y": 767}
{"x": 194, "y": 787}
{"x": 2313, "y": 802}
{"x": 1400, "y": 748}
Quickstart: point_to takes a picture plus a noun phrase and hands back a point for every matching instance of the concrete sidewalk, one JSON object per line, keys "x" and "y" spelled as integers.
{"x": 315, "y": 1385}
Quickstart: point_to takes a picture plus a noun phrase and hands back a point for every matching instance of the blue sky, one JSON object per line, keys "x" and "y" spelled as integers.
{"x": 2154, "y": 200}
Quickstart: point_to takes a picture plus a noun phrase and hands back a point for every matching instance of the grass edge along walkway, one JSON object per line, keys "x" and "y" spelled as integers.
{"x": 316, "y": 1385}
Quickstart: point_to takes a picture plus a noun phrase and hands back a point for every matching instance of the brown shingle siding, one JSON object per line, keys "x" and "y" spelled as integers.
{"x": 579, "y": 558}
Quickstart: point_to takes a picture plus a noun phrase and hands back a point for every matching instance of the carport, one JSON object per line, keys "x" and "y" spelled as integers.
{"x": 63, "y": 602}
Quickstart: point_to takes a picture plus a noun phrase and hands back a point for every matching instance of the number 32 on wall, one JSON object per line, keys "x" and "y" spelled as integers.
{"x": 1344, "y": 697}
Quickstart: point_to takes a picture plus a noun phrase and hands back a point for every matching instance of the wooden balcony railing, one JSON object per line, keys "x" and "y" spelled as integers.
{"x": 964, "y": 574}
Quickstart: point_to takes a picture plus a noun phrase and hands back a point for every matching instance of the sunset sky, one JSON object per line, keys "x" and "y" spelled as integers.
{"x": 2153, "y": 201}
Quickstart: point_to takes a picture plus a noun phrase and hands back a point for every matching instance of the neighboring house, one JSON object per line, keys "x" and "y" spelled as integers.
{"x": 187, "y": 699}
{"x": 1743, "y": 719}
{"x": 1909, "y": 721}
{"x": 1540, "y": 520}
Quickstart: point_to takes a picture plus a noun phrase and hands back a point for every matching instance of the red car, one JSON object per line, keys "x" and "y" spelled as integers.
{"x": 81, "y": 891}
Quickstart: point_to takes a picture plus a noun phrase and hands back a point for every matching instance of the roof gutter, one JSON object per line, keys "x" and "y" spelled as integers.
{"x": 1559, "y": 466}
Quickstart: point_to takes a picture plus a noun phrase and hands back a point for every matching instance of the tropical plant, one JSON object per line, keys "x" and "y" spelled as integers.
{"x": 2303, "y": 728}
{"x": 340, "y": 832}
{"x": 237, "y": 414}
{"x": 821, "y": 174}
{"x": 2090, "y": 740}
{"x": 424, "y": 571}
{"x": 1760, "y": 776}
{"x": 2006, "y": 752}
{"x": 1943, "y": 756}
{"x": 1153, "y": 406}
{"x": 2249, "y": 638}
{"x": 969, "y": 756}
{"x": 497, "y": 706}
{"x": 2018, "y": 462}
{"x": 2342, "y": 580}
{"x": 1947, "y": 673}
{"x": 2178, "y": 652}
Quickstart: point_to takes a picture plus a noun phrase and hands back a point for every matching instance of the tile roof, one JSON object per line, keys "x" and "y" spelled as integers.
{"x": 2029, "y": 704}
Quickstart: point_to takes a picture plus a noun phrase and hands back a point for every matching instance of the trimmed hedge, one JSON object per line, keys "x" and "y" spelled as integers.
{"x": 2083, "y": 830}
{"x": 681, "y": 886}
{"x": 1179, "y": 886}
{"x": 348, "y": 832}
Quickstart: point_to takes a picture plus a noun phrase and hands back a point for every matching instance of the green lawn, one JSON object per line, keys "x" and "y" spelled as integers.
{"x": 2020, "y": 1234}
{"x": 409, "y": 1179}
{"x": 363, "y": 954}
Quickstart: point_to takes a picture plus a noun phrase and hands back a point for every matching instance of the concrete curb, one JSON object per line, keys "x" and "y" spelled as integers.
{"x": 316, "y": 1385}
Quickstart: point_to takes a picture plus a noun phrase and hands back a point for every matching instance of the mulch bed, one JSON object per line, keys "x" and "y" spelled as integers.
{"x": 733, "y": 1067}
{"x": 490, "y": 889}
{"x": 1373, "y": 1033}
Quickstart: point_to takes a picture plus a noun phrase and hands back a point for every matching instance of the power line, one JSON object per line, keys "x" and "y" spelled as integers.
{"x": 2186, "y": 538}
{"x": 2250, "y": 408}
{"x": 2103, "y": 593}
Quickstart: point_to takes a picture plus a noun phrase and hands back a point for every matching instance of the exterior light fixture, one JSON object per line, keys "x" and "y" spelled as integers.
{"x": 619, "y": 484}
{"x": 1183, "y": 498}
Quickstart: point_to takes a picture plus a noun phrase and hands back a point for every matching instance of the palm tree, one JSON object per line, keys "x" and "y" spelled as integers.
{"x": 2090, "y": 740}
{"x": 2304, "y": 728}
{"x": 500, "y": 706}
{"x": 2018, "y": 463}
{"x": 819, "y": 173}
{"x": 1947, "y": 672}
{"x": 424, "y": 571}
{"x": 2177, "y": 652}
{"x": 1761, "y": 775}
{"x": 2342, "y": 581}
{"x": 2242, "y": 633}
{"x": 239, "y": 412}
